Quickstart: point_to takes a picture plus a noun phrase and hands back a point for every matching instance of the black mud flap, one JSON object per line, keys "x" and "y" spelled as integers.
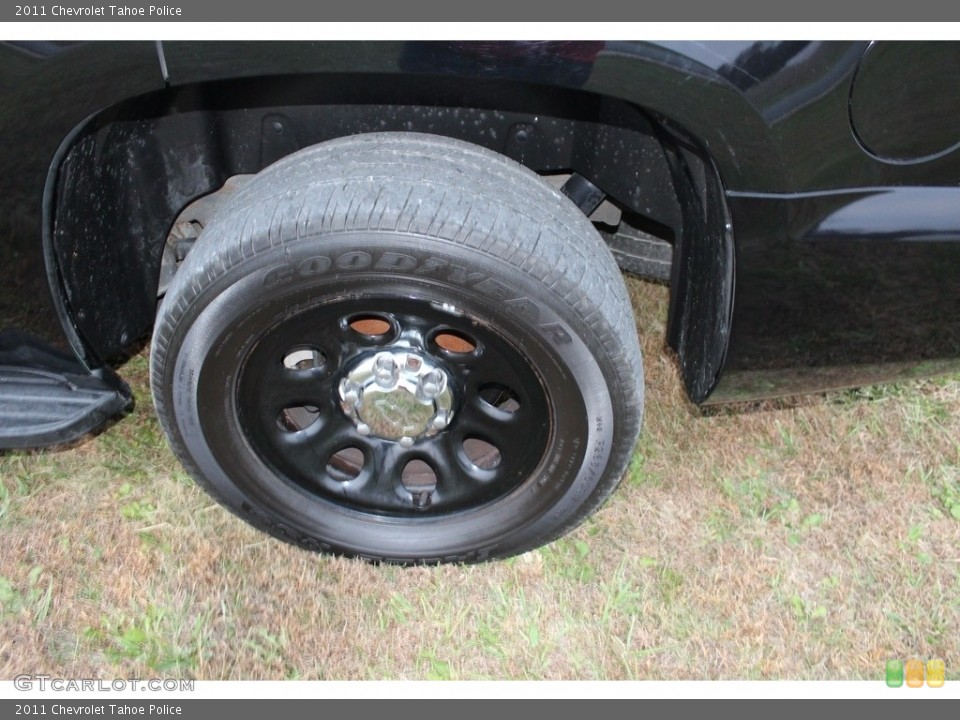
{"x": 50, "y": 398}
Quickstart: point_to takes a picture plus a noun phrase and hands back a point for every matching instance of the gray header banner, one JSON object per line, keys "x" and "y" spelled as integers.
{"x": 443, "y": 11}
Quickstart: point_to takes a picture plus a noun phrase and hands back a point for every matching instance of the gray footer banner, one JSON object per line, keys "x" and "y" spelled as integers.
{"x": 297, "y": 709}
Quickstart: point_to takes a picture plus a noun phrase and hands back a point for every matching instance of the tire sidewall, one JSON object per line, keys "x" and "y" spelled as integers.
{"x": 213, "y": 334}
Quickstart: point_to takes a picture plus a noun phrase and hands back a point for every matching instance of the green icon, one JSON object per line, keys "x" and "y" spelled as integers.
{"x": 894, "y": 673}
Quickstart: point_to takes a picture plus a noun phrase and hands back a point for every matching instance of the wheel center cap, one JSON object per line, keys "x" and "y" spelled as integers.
{"x": 397, "y": 395}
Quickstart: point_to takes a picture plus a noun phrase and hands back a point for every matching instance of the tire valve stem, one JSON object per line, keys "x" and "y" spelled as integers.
{"x": 423, "y": 499}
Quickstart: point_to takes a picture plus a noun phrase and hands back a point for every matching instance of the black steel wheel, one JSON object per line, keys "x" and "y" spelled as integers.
{"x": 403, "y": 348}
{"x": 455, "y": 419}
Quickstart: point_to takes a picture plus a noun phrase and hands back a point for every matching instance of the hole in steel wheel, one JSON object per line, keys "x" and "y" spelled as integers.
{"x": 418, "y": 476}
{"x": 455, "y": 342}
{"x": 373, "y": 326}
{"x": 500, "y": 397}
{"x": 295, "y": 419}
{"x": 303, "y": 357}
{"x": 481, "y": 453}
{"x": 419, "y": 479}
{"x": 345, "y": 464}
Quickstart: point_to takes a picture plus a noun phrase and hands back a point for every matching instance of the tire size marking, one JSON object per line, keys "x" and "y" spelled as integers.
{"x": 551, "y": 469}
{"x": 598, "y": 459}
{"x": 568, "y": 460}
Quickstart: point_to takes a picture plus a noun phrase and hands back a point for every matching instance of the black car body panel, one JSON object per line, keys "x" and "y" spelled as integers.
{"x": 49, "y": 90}
{"x": 810, "y": 189}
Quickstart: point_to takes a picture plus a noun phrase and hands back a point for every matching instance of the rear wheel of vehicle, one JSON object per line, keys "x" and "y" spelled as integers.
{"x": 401, "y": 347}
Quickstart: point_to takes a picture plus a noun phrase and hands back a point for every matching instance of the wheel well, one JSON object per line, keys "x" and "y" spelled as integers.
{"x": 133, "y": 169}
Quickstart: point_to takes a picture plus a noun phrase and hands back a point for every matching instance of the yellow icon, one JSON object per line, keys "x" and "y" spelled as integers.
{"x": 935, "y": 673}
{"x": 914, "y": 673}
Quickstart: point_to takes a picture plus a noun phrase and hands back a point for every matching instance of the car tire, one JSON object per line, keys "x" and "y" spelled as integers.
{"x": 404, "y": 348}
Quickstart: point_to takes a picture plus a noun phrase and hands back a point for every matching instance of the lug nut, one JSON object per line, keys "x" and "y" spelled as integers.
{"x": 406, "y": 441}
{"x": 385, "y": 371}
{"x": 350, "y": 392}
{"x": 413, "y": 363}
{"x": 440, "y": 421}
{"x": 430, "y": 385}
{"x": 363, "y": 428}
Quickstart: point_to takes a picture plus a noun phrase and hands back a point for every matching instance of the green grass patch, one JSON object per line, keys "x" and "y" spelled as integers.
{"x": 33, "y": 598}
{"x": 162, "y": 640}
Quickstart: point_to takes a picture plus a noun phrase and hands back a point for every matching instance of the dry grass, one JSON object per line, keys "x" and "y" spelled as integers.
{"x": 810, "y": 538}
